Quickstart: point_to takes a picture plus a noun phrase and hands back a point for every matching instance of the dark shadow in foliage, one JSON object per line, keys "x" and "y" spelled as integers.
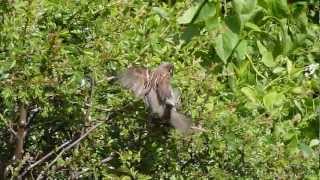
{"x": 148, "y": 136}
{"x": 61, "y": 124}
{"x": 190, "y": 31}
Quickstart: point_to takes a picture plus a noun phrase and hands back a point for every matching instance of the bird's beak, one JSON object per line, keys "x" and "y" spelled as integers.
{"x": 171, "y": 72}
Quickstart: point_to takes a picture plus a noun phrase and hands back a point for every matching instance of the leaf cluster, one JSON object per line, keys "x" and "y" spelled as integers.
{"x": 248, "y": 71}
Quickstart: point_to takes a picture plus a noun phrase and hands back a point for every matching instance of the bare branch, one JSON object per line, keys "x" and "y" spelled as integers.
{"x": 12, "y": 131}
{"x": 109, "y": 158}
{"x": 45, "y": 157}
{"x": 195, "y": 128}
{"x": 95, "y": 107}
{"x": 69, "y": 147}
{"x": 9, "y": 126}
{"x": 89, "y": 101}
{"x": 32, "y": 114}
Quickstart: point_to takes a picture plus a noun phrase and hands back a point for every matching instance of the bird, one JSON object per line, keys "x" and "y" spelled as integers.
{"x": 154, "y": 87}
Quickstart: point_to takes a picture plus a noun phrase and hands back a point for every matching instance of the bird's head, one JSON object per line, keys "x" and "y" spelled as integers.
{"x": 167, "y": 67}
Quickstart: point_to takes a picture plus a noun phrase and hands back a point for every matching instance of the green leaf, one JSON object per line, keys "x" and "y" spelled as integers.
{"x": 298, "y": 105}
{"x": 212, "y": 23}
{"x": 6, "y": 92}
{"x": 278, "y": 70}
{"x": 250, "y": 93}
{"x": 267, "y": 57}
{"x": 244, "y": 6}
{"x": 60, "y": 161}
{"x": 314, "y": 142}
{"x": 207, "y": 11}
{"x": 161, "y": 12}
{"x": 234, "y": 23}
{"x": 306, "y": 150}
{"x": 242, "y": 49}
{"x": 12, "y": 64}
{"x": 289, "y": 67}
{"x": 191, "y": 31}
{"x": 298, "y": 90}
{"x": 279, "y": 8}
{"x": 190, "y": 14}
{"x": 253, "y": 26}
{"x": 272, "y": 99}
{"x": 293, "y": 146}
{"x": 225, "y": 43}
{"x": 245, "y": 9}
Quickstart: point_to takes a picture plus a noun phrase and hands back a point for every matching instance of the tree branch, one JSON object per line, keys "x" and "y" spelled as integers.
{"x": 69, "y": 144}
{"x": 89, "y": 101}
{"x": 45, "y": 157}
{"x": 69, "y": 147}
{"x": 21, "y": 132}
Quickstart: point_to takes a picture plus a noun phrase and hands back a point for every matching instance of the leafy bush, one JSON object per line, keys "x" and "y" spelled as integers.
{"x": 248, "y": 71}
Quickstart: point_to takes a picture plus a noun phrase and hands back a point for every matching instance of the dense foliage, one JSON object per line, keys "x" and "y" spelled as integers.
{"x": 248, "y": 71}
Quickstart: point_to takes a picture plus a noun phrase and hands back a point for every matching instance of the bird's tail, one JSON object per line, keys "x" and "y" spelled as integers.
{"x": 180, "y": 121}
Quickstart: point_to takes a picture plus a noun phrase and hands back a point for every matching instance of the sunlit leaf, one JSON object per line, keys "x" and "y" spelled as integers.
{"x": 252, "y": 26}
{"x": 267, "y": 57}
{"x": 161, "y": 12}
{"x": 272, "y": 99}
{"x": 279, "y": 8}
{"x": 225, "y": 44}
{"x": 212, "y": 23}
{"x": 190, "y": 14}
{"x": 242, "y": 49}
{"x": 314, "y": 142}
{"x": 244, "y": 6}
{"x": 250, "y": 93}
{"x": 306, "y": 150}
{"x": 207, "y": 11}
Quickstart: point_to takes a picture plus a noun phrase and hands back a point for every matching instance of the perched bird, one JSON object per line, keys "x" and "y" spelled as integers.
{"x": 154, "y": 87}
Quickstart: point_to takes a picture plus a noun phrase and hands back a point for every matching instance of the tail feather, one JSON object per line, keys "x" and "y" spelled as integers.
{"x": 180, "y": 121}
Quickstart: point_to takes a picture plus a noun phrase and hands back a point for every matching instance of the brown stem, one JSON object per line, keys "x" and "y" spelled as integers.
{"x": 45, "y": 157}
{"x": 89, "y": 101}
{"x": 68, "y": 145}
{"x": 41, "y": 175}
{"x": 21, "y": 131}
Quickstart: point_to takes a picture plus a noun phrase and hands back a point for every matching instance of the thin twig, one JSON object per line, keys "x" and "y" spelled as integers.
{"x": 66, "y": 146}
{"x": 12, "y": 131}
{"x": 69, "y": 147}
{"x": 199, "y": 129}
{"x": 95, "y": 107}
{"x": 254, "y": 68}
{"x": 89, "y": 102}
{"x": 109, "y": 158}
{"x": 8, "y": 126}
{"x": 45, "y": 157}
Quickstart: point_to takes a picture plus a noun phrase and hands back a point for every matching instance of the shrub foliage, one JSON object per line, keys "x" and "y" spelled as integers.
{"x": 248, "y": 71}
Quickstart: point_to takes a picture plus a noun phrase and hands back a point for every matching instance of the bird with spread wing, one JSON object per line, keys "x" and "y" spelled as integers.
{"x": 154, "y": 87}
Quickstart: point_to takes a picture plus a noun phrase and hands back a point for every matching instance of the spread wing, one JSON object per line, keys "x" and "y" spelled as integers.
{"x": 135, "y": 79}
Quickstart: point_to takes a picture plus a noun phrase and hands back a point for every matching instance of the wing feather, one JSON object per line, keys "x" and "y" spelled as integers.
{"x": 135, "y": 79}
{"x": 180, "y": 121}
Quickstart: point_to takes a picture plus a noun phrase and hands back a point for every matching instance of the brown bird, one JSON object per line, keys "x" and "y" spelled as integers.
{"x": 154, "y": 87}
